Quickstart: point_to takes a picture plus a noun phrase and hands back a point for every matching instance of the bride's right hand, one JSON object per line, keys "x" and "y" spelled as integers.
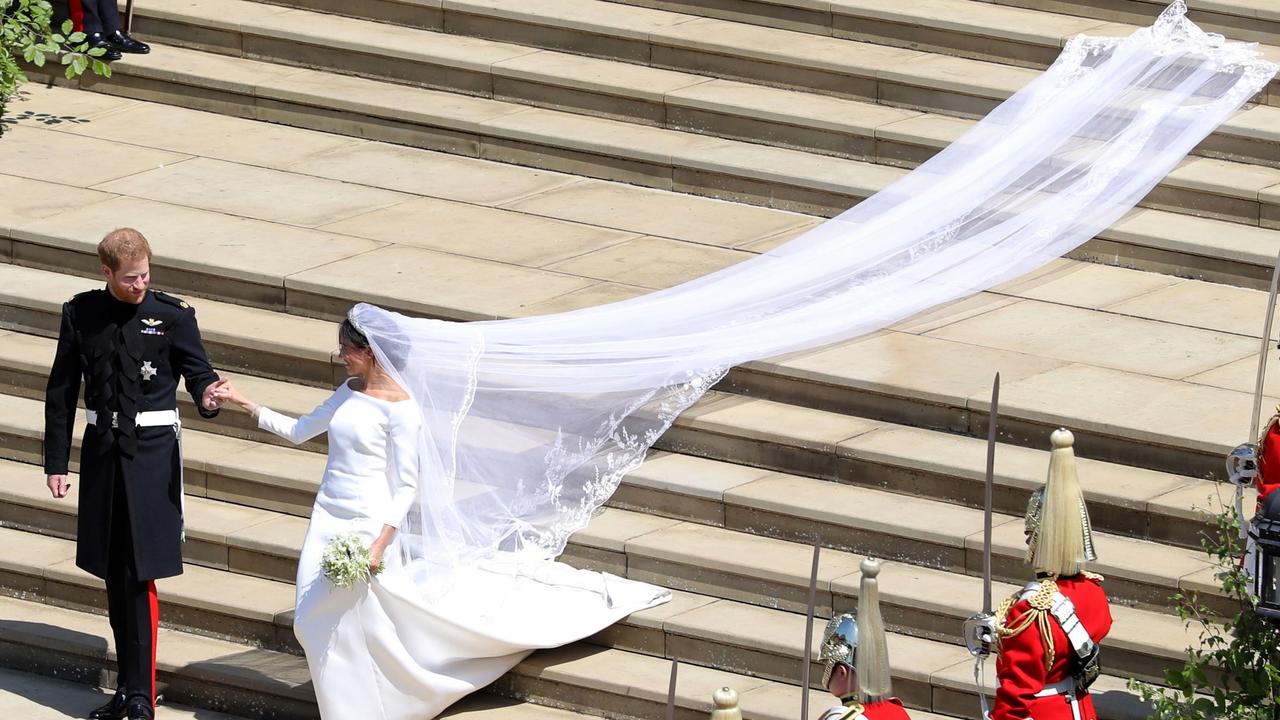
{"x": 229, "y": 393}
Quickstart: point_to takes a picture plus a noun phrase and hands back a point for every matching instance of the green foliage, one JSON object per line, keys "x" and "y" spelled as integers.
{"x": 26, "y": 33}
{"x": 1235, "y": 672}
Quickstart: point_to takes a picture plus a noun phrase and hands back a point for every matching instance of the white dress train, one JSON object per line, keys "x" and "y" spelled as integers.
{"x": 385, "y": 649}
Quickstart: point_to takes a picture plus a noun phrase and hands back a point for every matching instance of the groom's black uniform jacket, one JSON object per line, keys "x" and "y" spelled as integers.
{"x": 130, "y": 357}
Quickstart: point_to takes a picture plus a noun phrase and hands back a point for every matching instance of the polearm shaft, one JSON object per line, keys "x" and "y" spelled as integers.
{"x": 671, "y": 690}
{"x": 988, "y": 500}
{"x": 1255, "y": 419}
{"x": 808, "y": 632}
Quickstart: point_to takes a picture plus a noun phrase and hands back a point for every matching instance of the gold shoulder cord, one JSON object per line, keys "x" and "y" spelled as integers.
{"x": 1040, "y": 603}
{"x": 854, "y": 711}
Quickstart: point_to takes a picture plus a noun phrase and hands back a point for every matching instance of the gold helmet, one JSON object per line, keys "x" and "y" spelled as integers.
{"x": 1060, "y": 536}
{"x": 844, "y": 633}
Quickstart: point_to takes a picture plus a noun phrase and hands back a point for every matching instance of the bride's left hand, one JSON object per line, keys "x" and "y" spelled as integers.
{"x": 375, "y": 557}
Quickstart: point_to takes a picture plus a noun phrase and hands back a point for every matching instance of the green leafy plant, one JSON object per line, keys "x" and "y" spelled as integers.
{"x": 1234, "y": 674}
{"x": 27, "y": 33}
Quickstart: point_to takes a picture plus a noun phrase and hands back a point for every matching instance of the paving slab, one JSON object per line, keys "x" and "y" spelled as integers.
{"x": 1106, "y": 401}
{"x": 651, "y": 262}
{"x": 663, "y": 214}
{"x": 1085, "y": 284}
{"x": 255, "y": 192}
{"x": 210, "y": 135}
{"x": 910, "y": 365}
{"x": 434, "y": 174}
{"x": 1106, "y": 340}
{"x": 434, "y": 283}
{"x": 198, "y": 241}
{"x": 480, "y": 232}
{"x": 601, "y": 293}
{"x": 27, "y": 200}
{"x": 58, "y": 107}
{"x": 52, "y": 156}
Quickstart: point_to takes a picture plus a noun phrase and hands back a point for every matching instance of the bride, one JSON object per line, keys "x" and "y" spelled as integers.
{"x": 408, "y": 644}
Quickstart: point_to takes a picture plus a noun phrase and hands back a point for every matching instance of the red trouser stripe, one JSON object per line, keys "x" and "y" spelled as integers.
{"x": 76, "y": 10}
{"x": 154, "y": 602}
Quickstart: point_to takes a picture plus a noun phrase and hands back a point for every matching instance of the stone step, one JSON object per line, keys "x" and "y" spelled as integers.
{"x": 226, "y": 459}
{"x": 599, "y": 147}
{"x": 1137, "y": 335}
{"x": 37, "y": 697}
{"x": 1026, "y": 33}
{"x": 735, "y": 49}
{"x": 640, "y": 94}
{"x": 206, "y": 673}
{"x": 929, "y": 539}
{"x": 1250, "y": 20}
{"x": 702, "y": 632}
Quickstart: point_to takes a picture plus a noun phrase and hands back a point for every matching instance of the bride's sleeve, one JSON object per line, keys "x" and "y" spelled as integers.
{"x": 403, "y": 444}
{"x": 301, "y": 429}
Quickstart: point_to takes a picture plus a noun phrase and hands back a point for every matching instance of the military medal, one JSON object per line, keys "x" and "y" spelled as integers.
{"x": 148, "y": 371}
{"x": 152, "y": 326}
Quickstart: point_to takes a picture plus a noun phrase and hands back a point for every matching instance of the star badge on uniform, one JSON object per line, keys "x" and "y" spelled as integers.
{"x": 148, "y": 371}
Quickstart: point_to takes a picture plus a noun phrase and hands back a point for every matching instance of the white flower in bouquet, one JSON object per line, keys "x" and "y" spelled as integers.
{"x": 346, "y": 561}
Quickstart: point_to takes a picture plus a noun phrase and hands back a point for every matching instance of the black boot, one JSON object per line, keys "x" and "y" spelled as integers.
{"x": 125, "y": 43}
{"x": 115, "y": 709}
{"x": 98, "y": 40}
{"x": 140, "y": 709}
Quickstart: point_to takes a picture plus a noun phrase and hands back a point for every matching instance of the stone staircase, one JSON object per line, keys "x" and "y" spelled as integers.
{"x": 557, "y": 131}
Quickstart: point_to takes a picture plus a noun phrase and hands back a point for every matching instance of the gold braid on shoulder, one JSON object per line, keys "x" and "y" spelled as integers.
{"x": 1038, "y": 614}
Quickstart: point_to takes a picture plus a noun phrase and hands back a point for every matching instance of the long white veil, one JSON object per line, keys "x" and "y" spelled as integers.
{"x": 530, "y": 424}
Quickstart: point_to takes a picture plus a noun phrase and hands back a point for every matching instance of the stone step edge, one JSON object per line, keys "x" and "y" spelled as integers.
{"x": 607, "y": 545}
{"x": 764, "y": 381}
{"x": 633, "y": 635}
{"x": 248, "y": 681}
{"x": 694, "y": 437}
{"x": 947, "y": 35}
{"x": 546, "y": 146}
{"x": 915, "y": 146}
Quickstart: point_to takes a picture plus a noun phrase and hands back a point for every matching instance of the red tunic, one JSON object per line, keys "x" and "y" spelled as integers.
{"x": 890, "y": 709}
{"x": 1020, "y": 670}
{"x": 1268, "y": 463}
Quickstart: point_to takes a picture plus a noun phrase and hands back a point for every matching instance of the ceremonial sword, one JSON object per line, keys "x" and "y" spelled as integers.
{"x": 1242, "y": 462}
{"x": 980, "y": 630}
{"x": 128, "y": 16}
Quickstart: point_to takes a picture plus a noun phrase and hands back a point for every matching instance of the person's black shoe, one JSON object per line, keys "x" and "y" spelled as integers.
{"x": 140, "y": 709}
{"x": 125, "y": 43}
{"x": 115, "y": 708}
{"x": 97, "y": 40}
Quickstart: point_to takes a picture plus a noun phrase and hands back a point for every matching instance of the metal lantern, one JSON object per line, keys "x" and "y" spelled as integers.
{"x": 1264, "y": 530}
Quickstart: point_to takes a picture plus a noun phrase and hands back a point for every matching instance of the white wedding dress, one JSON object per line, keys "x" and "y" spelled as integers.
{"x": 391, "y": 648}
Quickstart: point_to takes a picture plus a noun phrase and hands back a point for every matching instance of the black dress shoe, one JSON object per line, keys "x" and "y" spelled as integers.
{"x": 125, "y": 43}
{"x": 140, "y": 709}
{"x": 115, "y": 708}
{"x": 97, "y": 40}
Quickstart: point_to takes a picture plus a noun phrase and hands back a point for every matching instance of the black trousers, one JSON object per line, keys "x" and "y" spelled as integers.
{"x": 95, "y": 16}
{"x": 132, "y": 605}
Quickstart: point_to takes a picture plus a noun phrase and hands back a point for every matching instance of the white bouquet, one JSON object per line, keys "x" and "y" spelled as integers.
{"x": 346, "y": 561}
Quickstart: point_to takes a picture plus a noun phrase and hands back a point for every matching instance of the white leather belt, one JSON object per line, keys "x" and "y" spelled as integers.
{"x": 1066, "y": 689}
{"x": 1062, "y": 687}
{"x": 150, "y": 418}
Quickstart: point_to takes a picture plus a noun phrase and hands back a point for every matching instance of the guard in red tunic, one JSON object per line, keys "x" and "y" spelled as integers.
{"x": 856, "y": 660}
{"x": 1049, "y": 632}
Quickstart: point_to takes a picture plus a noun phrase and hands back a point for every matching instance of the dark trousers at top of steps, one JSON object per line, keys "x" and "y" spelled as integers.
{"x": 94, "y": 16}
{"x": 132, "y": 605}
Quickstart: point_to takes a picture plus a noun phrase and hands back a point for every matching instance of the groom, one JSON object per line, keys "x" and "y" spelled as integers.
{"x": 130, "y": 344}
